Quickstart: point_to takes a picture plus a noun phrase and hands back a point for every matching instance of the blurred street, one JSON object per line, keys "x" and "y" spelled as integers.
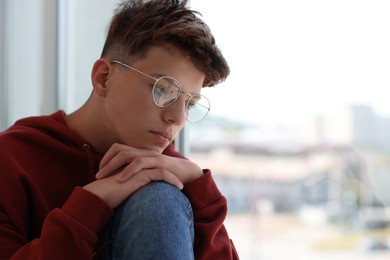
{"x": 276, "y": 237}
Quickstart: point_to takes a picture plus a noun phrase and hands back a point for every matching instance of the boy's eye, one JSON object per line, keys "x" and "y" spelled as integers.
{"x": 191, "y": 105}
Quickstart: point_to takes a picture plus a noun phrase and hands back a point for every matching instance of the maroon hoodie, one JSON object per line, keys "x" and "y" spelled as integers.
{"x": 44, "y": 212}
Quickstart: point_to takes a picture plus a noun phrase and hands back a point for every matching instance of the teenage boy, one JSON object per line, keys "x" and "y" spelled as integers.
{"x": 104, "y": 182}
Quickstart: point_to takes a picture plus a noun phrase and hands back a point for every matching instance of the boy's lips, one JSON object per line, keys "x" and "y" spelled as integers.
{"x": 162, "y": 135}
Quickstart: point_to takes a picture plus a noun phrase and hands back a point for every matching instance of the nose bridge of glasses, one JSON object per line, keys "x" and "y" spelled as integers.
{"x": 185, "y": 99}
{"x": 188, "y": 95}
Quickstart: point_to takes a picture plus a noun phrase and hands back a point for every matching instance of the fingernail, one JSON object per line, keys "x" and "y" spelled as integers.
{"x": 98, "y": 173}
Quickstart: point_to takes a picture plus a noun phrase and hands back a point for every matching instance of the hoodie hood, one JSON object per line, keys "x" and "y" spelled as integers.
{"x": 53, "y": 125}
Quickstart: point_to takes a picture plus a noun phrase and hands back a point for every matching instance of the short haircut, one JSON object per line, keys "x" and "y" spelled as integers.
{"x": 137, "y": 25}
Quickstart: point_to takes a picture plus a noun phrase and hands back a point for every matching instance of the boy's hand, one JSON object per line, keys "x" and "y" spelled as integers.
{"x": 129, "y": 161}
{"x": 114, "y": 192}
{"x": 124, "y": 170}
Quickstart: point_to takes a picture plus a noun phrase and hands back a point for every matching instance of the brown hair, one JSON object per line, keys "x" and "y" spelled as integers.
{"x": 138, "y": 25}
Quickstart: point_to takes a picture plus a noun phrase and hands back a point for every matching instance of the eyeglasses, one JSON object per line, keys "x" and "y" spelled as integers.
{"x": 166, "y": 90}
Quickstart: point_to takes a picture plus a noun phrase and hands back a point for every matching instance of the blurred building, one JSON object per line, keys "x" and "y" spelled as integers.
{"x": 341, "y": 164}
{"x": 357, "y": 126}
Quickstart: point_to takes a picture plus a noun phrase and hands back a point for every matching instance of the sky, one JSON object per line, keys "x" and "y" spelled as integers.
{"x": 291, "y": 60}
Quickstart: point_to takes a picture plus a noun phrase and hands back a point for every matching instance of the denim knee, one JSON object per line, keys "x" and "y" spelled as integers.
{"x": 155, "y": 220}
{"x": 158, "y": 200}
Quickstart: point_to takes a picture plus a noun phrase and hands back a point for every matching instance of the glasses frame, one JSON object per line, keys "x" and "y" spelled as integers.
{"x": 180, "y": 92}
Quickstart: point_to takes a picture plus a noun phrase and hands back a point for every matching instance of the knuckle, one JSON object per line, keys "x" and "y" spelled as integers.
{"x": 162, "y": 172}
{"x": 138, "y": 161}
{"x": 116, "y": 146}
{"x": 124, "y": 156}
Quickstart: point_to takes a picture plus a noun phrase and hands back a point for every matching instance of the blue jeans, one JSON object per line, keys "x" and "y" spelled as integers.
{"x": 156, "y": 222}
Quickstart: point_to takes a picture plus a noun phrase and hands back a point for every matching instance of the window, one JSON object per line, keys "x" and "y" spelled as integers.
{"x": 28, "y": 59}
{"x": 80, "y": 44}
{"x": 298, "y": 135}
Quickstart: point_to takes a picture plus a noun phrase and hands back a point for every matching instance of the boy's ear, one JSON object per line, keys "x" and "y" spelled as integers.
{"x": 100, "y": 73}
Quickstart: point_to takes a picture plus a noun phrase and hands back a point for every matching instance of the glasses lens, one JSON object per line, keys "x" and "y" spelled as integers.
{"x": 165, "y": 91}
{"x": 198, "y": 107}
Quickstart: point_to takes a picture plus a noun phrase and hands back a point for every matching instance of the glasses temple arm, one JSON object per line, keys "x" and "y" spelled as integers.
{"x": 129, "y": 67}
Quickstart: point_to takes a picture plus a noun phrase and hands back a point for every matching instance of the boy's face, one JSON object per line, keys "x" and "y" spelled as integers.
{"x": 133, "y": 117}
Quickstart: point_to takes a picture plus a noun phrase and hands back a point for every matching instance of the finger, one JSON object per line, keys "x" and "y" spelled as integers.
{"x": 116, "y": 163}
{"x": 126, "y": 162}
{"x": 114, "y": 192}
{"x": 118, "y": 156}
{"x": 139, "y": 164}
{"x": 150, "y": 175}
{"x": 111, "y": 153}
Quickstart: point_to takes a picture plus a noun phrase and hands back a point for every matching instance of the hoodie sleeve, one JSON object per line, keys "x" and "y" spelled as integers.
{"x": 44, "y": 212}
{"x": 70, "y": 232}
{"x": 210, "y": 209}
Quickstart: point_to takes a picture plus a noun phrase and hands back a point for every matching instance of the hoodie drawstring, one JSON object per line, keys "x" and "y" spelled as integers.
{"x": 91, "y": 168}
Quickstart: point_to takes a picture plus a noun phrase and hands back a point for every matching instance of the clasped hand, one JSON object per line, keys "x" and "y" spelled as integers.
{"x": 125, "y": 169}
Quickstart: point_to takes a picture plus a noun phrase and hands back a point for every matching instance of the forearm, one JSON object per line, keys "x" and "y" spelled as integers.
{"x": 210, "y": 208}
{"x": 70, "y": 232}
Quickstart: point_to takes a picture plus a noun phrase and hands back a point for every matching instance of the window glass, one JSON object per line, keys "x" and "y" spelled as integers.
{"x": 3, "y": 93}
{"x": 80, "y": 44}
{"x": 26, "y": 64}
{"x": 298, "y": 136}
